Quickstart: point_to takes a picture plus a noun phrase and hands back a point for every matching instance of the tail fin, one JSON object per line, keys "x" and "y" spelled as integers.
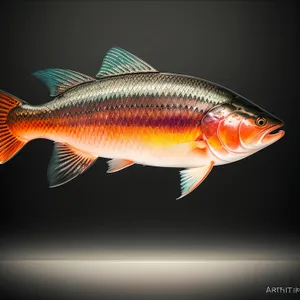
{"x": 9, "y": 144}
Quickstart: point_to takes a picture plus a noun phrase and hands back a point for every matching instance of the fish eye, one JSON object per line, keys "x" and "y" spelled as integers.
{"x": 261, "y": 121}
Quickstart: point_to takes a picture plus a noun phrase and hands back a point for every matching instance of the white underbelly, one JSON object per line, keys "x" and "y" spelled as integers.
{"x": 158, "y": 156}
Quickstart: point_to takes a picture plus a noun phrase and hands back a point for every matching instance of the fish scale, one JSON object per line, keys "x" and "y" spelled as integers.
{"x": 134, "y": 114}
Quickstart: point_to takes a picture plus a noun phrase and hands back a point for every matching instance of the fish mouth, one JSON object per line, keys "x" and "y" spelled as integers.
{"x": 272, "y": 134}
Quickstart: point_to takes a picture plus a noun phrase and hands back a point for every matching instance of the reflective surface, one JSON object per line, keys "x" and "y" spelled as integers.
{"x": 141, "y": 279}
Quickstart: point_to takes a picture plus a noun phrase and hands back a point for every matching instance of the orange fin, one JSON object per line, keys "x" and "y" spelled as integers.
{"x": 192, "y": 178}
{"x": 10, "y": 145}
{"x": 116, "y": 164}
{"x": 67, "y": 163}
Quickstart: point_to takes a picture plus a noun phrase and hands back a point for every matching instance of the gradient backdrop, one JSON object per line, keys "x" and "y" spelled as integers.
{"x": 248, "y": 209}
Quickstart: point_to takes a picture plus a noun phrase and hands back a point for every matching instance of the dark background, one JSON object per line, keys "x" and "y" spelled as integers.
{"x": 249, "y": 47}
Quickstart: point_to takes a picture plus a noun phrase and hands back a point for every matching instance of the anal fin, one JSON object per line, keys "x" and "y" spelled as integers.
{"x": 67, "y": 163}
{"x": 117, "y": 164}
{"x": 192, "y": 178}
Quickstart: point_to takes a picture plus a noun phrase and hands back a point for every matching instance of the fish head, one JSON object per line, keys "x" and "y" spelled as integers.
{"x": 240, "y": 128}
{"x": 257, "y": 128}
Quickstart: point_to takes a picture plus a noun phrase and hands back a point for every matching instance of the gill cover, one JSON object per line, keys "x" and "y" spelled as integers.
{"x": 215, "y": 138}
{"x": 229, "y": 132}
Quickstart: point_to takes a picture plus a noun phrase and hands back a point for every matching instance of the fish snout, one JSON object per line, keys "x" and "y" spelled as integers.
{"x": 273, "y": 134}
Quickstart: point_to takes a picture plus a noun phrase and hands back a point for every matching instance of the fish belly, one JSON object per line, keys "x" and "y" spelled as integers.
{"x": 148, "y": 146}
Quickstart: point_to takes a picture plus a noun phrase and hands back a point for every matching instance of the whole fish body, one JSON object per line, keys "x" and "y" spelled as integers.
{"x": 136, "y": 115}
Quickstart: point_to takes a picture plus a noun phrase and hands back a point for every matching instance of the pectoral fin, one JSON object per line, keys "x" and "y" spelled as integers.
{"x": 67, "y": 163}
{"x": 191, "y": 178}
{"x": 116, "y": 164}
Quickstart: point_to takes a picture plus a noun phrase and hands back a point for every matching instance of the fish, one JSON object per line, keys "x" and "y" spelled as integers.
{"x": 133, "y": 114}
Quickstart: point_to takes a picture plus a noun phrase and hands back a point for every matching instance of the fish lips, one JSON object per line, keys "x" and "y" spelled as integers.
{"x": 269, "y": 136}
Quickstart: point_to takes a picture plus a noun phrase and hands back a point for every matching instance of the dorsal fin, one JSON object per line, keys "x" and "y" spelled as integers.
{"x": 118, "y": 61}
{"x": 58, "y": 80}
